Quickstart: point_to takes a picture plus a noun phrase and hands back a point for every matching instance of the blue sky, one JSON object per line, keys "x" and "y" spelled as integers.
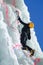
{"x": 36, "y": 12}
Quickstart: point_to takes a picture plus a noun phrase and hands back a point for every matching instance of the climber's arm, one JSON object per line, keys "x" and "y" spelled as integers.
{"x": 21, "y": 21}
{"x": 24, "y": 11}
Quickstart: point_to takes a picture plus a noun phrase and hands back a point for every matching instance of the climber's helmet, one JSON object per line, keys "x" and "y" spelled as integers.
{"x": 31, "y": 25}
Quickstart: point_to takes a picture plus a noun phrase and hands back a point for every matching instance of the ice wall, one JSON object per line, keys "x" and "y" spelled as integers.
{"x": 7, "y": 55}
{"x": 26, "y": 18}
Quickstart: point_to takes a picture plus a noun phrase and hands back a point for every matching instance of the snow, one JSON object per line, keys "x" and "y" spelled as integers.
{"x": 10, "y": 35}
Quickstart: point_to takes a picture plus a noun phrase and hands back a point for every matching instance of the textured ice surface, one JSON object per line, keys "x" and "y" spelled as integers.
{"x": 7, "y": 55}
{"x": 26, "y": 18}
{"x": 40, "y": 63}
{"x": 9, "y": 36}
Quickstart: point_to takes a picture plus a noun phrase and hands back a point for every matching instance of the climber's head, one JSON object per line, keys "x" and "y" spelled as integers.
{"x": 31, "y": 25}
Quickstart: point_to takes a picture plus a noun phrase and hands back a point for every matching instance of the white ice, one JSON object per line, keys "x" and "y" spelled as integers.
{"x": 9, "y": 36}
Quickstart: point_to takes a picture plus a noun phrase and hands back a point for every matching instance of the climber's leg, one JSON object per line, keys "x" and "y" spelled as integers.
{"x": 25, "y": 47}
{"x": 23, "y": 39}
